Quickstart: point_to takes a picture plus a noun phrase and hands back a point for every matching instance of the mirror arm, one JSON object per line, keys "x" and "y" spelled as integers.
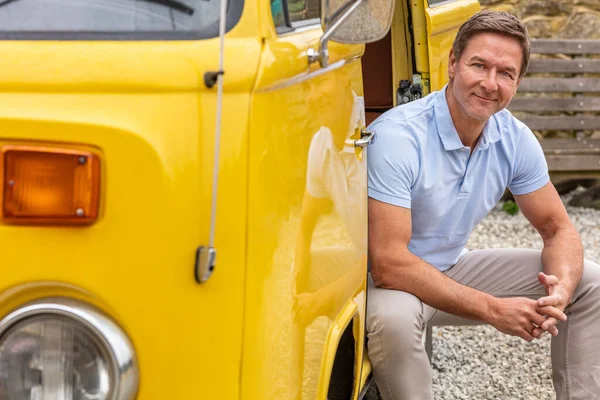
{"x": 322, "y": 55}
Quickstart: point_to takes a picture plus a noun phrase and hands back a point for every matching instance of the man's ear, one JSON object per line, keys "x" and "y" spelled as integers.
{"x": 451, "y": 64}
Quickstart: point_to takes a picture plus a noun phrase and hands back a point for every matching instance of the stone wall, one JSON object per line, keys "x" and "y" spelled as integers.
{"x": 568, "y": 19}
{"x": 561, "y": 19}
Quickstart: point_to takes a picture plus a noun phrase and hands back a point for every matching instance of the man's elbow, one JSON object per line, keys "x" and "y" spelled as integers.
{"x": 379, "y": 277}
{"x": 553, "y": 231}
{"x": 386, "y": 273}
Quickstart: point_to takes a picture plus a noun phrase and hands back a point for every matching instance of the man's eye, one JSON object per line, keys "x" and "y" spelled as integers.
{"x": 478, "y": 65}
{"x": 507, "y": 74}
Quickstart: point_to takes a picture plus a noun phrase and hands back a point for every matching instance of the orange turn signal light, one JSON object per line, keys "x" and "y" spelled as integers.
{"x": 48, "y": 185}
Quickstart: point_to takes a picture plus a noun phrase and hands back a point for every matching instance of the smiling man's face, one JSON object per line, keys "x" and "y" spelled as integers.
{"x": 485, "y": 78}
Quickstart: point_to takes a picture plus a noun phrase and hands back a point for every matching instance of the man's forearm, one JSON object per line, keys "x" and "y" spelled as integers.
{"x": 562, "y": 256}
{"x": 415, "y": 276}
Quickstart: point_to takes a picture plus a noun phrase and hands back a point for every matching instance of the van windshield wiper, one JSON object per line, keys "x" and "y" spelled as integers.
{"x": 174, "y": 4}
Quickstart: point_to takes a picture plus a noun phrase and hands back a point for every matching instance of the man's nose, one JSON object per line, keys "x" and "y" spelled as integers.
{"x": 489, "y": 82}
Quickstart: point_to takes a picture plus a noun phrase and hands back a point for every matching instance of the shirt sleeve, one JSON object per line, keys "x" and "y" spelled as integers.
{"x": 530, "y": 171}
{"x": 393, "y": 163}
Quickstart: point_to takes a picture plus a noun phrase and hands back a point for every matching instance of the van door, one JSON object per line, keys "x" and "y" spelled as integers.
{"x": 443, "y": 18}
{"x": 412, "y": 60}
{"x": 307, "y": 226}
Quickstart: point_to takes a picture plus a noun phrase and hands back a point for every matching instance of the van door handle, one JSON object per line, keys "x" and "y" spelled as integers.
{"x": 366, "y": 138}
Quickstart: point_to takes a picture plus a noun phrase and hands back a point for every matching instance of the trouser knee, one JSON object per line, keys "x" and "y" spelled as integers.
{"x": 395, "y": 318}
{"x": 588, "y": 289}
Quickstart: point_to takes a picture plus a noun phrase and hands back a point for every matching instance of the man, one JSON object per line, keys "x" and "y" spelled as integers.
{"x": 438, "y": 167}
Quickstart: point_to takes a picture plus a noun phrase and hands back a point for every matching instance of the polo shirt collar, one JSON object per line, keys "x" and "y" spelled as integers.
{"x": 448, "y": 133}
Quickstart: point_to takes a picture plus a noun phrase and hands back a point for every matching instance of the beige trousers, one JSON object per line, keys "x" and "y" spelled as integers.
{"x": 396, "y": 320}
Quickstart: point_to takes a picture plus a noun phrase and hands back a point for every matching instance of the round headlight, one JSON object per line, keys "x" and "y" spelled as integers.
{"x": 60, "y": 349}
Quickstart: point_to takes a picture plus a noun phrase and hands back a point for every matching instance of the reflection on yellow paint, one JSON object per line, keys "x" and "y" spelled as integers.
{"x": 333, "y": 207}
{"x": 304, "y": 244}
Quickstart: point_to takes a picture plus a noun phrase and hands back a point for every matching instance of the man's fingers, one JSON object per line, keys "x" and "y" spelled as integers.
{"x": 547, "y": 280}
{"x": 552, "y": 312}
{"x": 538, "y": 319}
{"x": 536, "y": 332}
{"x": 553, "y": 330}
{"x": 523, "y": 334}
{"x": 543, "y": 323}
{"x": 552, "y": 300}
{"x": 551, "y": 321}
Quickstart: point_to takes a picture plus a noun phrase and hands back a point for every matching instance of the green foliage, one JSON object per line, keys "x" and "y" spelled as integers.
{"x": 510, "y": 207}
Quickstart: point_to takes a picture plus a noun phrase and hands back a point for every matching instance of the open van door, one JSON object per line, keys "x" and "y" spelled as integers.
{"x": 443, "y": 18}
{"x": 412, "y": 60}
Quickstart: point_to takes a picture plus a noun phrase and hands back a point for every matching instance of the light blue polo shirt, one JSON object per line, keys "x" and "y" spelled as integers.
{"x": 418, "y": 161}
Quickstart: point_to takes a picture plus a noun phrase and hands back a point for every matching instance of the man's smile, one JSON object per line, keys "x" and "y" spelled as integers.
{"x": 484, "y": 98}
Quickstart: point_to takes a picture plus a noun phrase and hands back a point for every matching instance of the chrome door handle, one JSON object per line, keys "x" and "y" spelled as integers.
{"x": 367, "y": 137}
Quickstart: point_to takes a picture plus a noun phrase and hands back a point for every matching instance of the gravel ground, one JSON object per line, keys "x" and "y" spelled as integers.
{"x": 478, "y": 362}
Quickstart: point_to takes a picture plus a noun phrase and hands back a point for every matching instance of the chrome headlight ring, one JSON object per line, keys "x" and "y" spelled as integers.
{"x": 107, "y": 335}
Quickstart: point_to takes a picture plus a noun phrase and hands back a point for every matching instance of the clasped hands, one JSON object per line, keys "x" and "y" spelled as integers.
{"x": 529, "y": 319}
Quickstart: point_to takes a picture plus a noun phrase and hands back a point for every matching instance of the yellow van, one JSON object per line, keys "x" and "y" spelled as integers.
{"x": 183, "y": 191}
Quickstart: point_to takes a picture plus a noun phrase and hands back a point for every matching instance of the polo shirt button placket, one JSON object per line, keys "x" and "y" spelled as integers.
{"x": 465, "y": 186}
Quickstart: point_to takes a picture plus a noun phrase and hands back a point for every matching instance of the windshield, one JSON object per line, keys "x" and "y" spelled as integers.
{"x": 115, "y": 16}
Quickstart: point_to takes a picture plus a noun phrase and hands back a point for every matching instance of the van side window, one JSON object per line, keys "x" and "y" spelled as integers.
{"x": 303, "y": 10}
{"x": 434, "y": 3}
{"x": 278, "y": 13}
{"x": 290, "y": 14}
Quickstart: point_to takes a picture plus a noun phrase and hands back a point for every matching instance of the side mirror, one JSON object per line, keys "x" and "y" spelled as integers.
{"x": 352, "y": 22}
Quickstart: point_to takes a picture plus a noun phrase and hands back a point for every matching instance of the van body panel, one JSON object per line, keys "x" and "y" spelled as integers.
{"x": 306, "y": 186}
{"x": 443, "y": 22}
{"x": 153, "y": 125}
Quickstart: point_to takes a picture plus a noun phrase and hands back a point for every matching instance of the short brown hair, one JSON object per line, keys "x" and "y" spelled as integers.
{"x": 499, "y": 22}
